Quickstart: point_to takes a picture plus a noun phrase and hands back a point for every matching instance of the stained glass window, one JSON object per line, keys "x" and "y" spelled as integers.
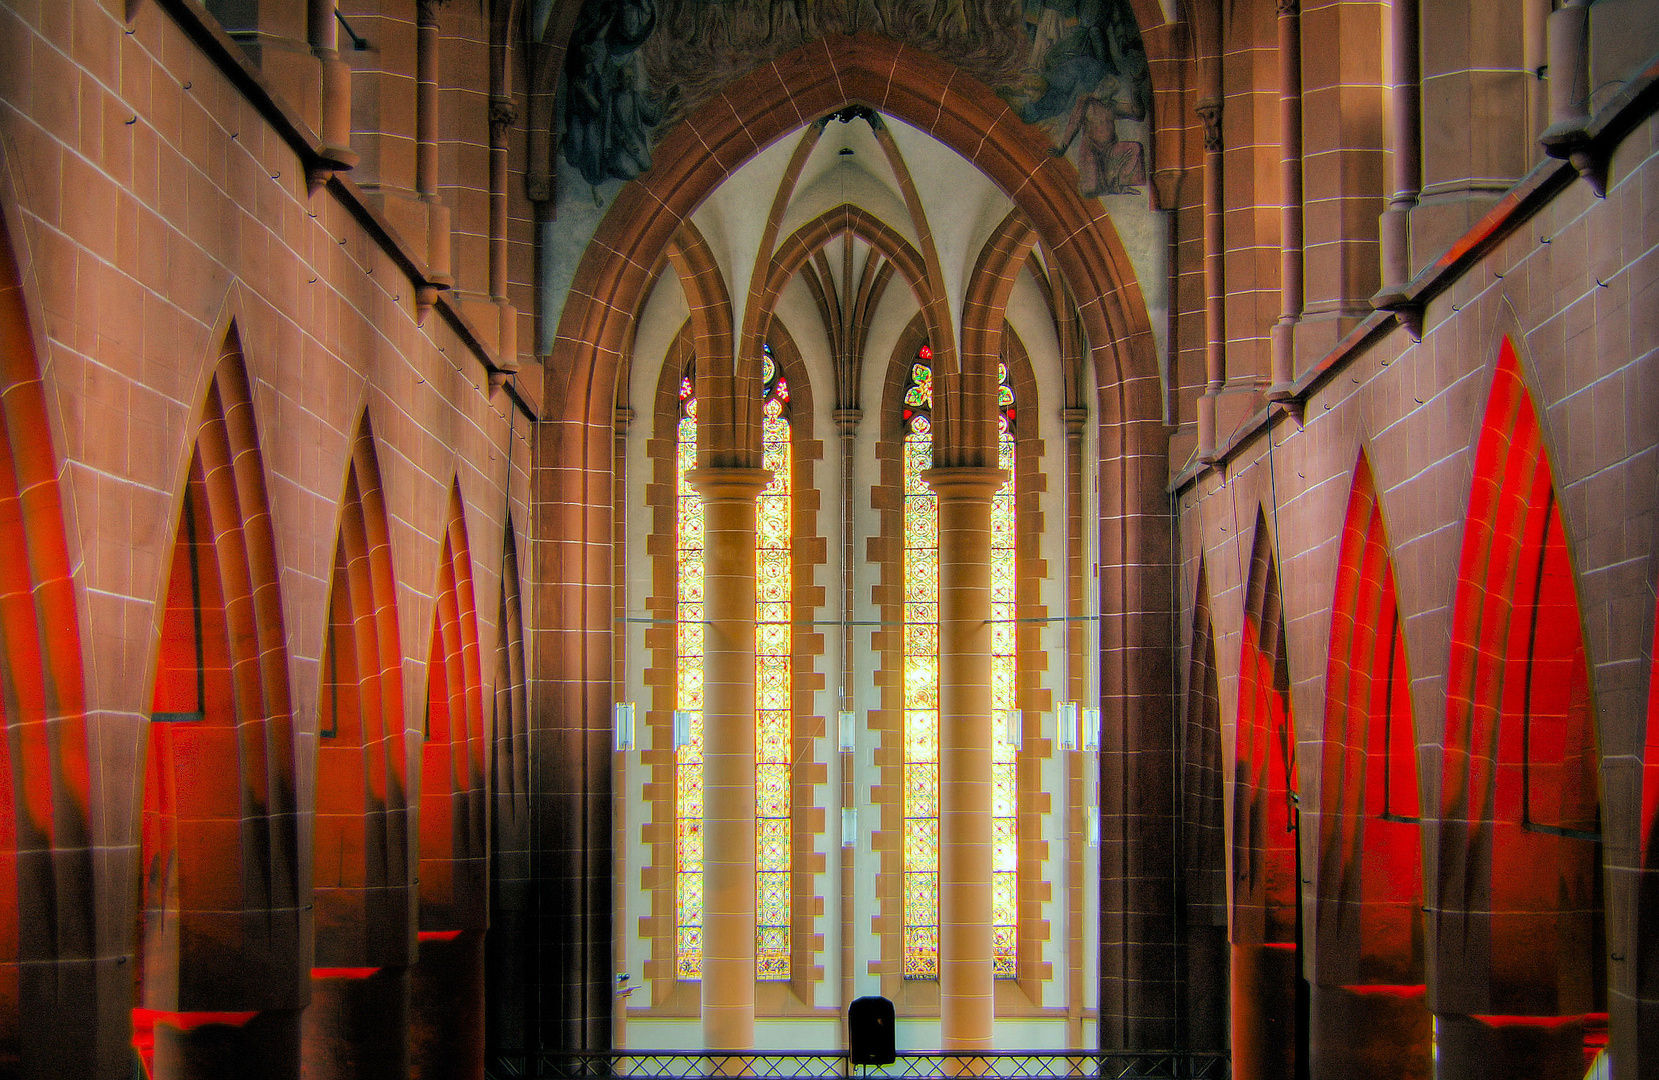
{"x": 772, "y": 681}
{"x": 921, "y": 679}
{"x": 688, "y": 757}
{"x": 773, "y": 707}
{"x": 921, "y": 686}
{"x": 1004, "y": 683}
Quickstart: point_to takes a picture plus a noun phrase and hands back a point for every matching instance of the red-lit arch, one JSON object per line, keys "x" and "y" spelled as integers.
{"x": 447, "y": 982}
{"x": 1519, "y": 921}
{"x": 220, "y": 922}
{"x": 1203, "y": 840}
{"x": 452, "y": 883}
{"x": 363, "y": 876}
{"x": 363, "y": 860}
{"x": 1369, "y": 977}
{"x": 1647, "y": 918}
{"x": 47, "y": 1016}
{"x": 1267, "y": 952}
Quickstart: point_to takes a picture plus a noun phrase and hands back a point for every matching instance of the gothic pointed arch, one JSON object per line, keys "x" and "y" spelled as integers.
{"x": 1647, "y": 925}
{"x": 694, "y": 157}
{"x": 851, "y": 220}
{"x": 452, "y": 844}
{"x": 789, "y": 765}
{"x": 1520, "y": 836}
{"x": 1203, "y": 882}
{"x": 221, "y": 921}
{"x": 1370, "y": 970}
{"x": 45, "y": 778}
{"x": 908, "y": 681}
{"x": 1269, "y": 1031}
{"x": 508, "y": 970}
{"x": 364, "y": 876}
{"x": 446, "y": 983}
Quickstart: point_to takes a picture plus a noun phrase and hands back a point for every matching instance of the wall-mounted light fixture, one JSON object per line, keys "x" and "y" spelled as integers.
{"x": 623, "y": 713}
{"x": 682, "y": 727}
{"x": 1066, "y": 720}
{"x": 846, "y": 731}
{"x": 849, "y": 826}
{"x": 1091, "y": 728}
{"x": 1013, "y": 727}
{"x": 1091, "y": 826}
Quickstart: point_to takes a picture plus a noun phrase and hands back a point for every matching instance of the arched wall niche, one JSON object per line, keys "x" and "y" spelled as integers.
{"x": 1202, "y": 914}
{"x": 46, "y": 1019}
{"x": 1269, "y": 1031}
{"x": 1369, "y": 995}
{"x": 446, "y": 982}
{"x": 1647, "y": 927}
{"x": 1519, "y": 924}
{"x": 594, "y": 331}
{"x": 220, "y": 919}
{"x": 363, "y": 842}
{"x": 508, "y": 971}
{"x": 452, "y": 874}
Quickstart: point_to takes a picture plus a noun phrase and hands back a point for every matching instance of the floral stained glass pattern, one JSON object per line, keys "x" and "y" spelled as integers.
{"x": 773, "y": 710}
{"x": 688, "y": 758}
{"x": 773, "y": 707}
{"x": 921, "y": 679}
{"x": 921, "y": 687}
{"x": 1004, "y": 697}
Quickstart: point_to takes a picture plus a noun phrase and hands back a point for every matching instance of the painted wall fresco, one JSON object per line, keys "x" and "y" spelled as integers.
{"x": 1075, "y": 68}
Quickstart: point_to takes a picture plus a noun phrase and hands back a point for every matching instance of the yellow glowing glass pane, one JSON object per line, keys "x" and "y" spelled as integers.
{"x": 773, "y": 646}
{"x": 921, "y": 693}
{"x": 688, "y": 759}
{"x": 773, "y": 708}
{"x": 1004, "y": 696}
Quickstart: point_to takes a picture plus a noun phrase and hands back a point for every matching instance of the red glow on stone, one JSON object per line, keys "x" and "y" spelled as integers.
{"x": 343, "y": 973}
{"x": 1547, "y": 1022}
{"x": 1388, "y": 990}
{"x": 438, "y": 935}
{"x": 144, "y": 1023}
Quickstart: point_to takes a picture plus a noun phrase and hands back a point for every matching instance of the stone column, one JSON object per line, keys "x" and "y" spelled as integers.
{"x": 966, "y": 982}
{"x": 357, "y": 1024}
{"x": 729, "y": 495}
{"x": 1406, "y": 154}
{"x": 1290, "y": 200}
{"x": 503, "y": 114}
{"x": 426, "y": 143}
{"x": 334, "y": 108}
{"x": 1215, "y": 297}
{"x": 446, "y": 1005}
{"x": 1475, "y": 141}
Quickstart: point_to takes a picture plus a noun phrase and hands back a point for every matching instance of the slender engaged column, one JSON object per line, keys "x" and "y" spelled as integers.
{"x": 966, "y": 981}
{"x": 728, "y": 989}
{"x": 1215, "y": 298}
{"x": 1290, "y": 199}
{"x": 503, "y": 114}
{"x": 426, "y": 142}
{"x": 334, "y": 113}
{"x": 1405, "y": 144}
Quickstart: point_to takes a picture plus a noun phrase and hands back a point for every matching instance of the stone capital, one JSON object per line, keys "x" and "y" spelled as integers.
{"x": 728, "y": 483}
{"x": 965, "y": 481}
{"x": 503, "y": 114}
{"x": 1209, "y": 111}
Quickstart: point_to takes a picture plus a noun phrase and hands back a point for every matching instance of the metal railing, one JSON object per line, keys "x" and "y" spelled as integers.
{"x": 946, "y": 1065}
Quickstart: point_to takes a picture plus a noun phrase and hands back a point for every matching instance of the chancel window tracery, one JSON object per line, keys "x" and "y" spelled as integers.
{"x": 921, "y": 685}
{"x": 773, "y": 687}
